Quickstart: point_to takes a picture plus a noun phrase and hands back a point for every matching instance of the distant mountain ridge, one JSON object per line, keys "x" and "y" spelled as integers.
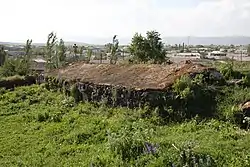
{"x": 192, "y": 40}
{"x": 234, "y": 40}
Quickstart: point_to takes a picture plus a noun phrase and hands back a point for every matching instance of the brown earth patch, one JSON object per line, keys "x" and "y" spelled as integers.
{"x": 137, "y": 76}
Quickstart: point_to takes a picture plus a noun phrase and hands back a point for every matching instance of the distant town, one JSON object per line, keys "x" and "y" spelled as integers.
{"x": 101, "y": 53}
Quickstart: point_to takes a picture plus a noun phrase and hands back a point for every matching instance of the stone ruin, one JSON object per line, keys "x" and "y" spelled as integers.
{"x": 125, "y": 85}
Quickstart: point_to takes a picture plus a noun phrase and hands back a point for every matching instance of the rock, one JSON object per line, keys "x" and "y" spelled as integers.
{"x": 235, "y": 82}
{"x": 246, "y": 109}
{"x": 216, "y": 75}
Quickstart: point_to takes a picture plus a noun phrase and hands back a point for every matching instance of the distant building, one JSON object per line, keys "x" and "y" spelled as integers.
{"x": 38, "y": 65}
{"x": 189, "y": 55}
{"x": 218, "y": 53}
{"x": 15, "y": 54}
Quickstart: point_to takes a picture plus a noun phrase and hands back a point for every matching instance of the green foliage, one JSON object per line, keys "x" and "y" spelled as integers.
{"x": 183, "y": 87}
{"x": 246, "y": 80}
{"x": 3, "y": 55}
{"x": 51, "y": 57}
{"x": 26, "y": 60}
{"x": 189, "y": 158}
{"x": 129, "y": 141}
{"x": 61, "y": 53}
{"x": 193, "y": 96}
{"x": 149, "y": 48}
{"x": 74, "y": 92}
{"x": 44, "y": 128}
{"x": 11, "y": 78}
{"x": 89, "y": 54}
{"x": 75, "y": 47}
{"x": 227, "y": 70}
{"x": 81, "y": 49}
{"x": 114, "y": 48}
{"x": 14, "y": 67}
{"x": 248, "y": 50}
{"x": 18, "y": 66}
{"x": 229, "y": 100}
{"x": 55, "y": 52}
{"x": 28, "y": 48}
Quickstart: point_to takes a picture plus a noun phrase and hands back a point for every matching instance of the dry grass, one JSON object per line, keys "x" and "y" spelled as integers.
{"x": 138, "y": 76}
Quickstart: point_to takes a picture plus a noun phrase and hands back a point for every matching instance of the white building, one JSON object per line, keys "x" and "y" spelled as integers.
{"x": 197, "y": 55}
{"x": 218, "y": 53}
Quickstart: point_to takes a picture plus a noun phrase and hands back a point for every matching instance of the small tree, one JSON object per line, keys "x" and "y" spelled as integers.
{"x": 3, "y": 55}
{"x": 28, "y": 48}
{"x": 9, "y": 68}
{"x": 156, "y": 51}
{"x": 138, "y": 48}
{"x": 248, "y": 50}
{"x": 89, "y": 54}
{"x": 108, "y": 47}
{"x": 81, "y": 51}
{"x": 50, "y": 48}
{"x": 75, "y": 51}
{"x": 114, "y": 49}
{"x": 149, "y": 48}
{"x": 25, "y": 63}
{"x": 61, "y": 53}
{"x": 101, "y": 57}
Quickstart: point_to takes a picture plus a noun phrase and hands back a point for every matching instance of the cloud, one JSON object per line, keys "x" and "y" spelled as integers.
{"x": 77, "y": 19}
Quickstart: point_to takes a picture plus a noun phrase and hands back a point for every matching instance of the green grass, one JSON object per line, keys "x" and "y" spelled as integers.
{"x": 43, "y": 128}
{"x": 15, "y": 77}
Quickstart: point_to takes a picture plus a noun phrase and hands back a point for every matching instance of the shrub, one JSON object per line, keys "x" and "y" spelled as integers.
{"x": 130, "y": 141}
{"x": 246, "y": 80}
{"x": 189, "y": 158}
{"x": 190, "y": 95}
{"x": 74, "y": 92}
{"x": 227, "y": 70}
{"x": 183, "y": 87}
{"x": 42, "y": 117}
{"x": 14, "y": 67}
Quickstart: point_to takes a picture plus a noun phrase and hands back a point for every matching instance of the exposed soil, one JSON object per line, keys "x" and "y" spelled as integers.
{"x": 137, "y": 76}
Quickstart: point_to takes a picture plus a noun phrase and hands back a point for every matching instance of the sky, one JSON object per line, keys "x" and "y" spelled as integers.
{"x": 89, "y": 20}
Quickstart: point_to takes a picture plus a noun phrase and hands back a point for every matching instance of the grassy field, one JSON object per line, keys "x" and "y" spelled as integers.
{"x": 43, "y": 128}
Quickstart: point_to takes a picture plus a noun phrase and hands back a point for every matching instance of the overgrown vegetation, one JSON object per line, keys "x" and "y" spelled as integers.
{"x": 43, "y": 128}
{"x": 148, "y": 49}
{"x": 18, "y": 65}
{"x": 2, "y": 55}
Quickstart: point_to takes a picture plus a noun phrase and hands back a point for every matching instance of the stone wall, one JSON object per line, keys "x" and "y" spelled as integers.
{"x": 109, "y": 94}
{"x": 15, "y": 82}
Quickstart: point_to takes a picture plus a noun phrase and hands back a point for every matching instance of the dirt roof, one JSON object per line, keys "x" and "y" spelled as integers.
{"x": 138, "y": 76}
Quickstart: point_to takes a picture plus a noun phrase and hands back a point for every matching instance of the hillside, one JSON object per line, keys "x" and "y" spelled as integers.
{"x": 42, "y": 128}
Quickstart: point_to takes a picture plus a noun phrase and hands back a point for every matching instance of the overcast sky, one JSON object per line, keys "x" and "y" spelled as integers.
{"x": 81, "y": 20}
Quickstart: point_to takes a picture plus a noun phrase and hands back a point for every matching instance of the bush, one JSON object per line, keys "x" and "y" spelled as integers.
{"x": 226, "y": 69}
{"x": 74, "y": 92}
{"x": 14, "y": 67}
{"x": 189, "y": 158}
{"x": 130, "y": 141}
{"x": 246, "y": 80}
{"x": 190, "y": 95}
{"x": 183, "y": 87}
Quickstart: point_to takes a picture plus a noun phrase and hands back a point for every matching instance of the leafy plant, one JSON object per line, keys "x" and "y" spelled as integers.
{"x": 149, "y": 48}
{"x": 130, "y": 141}
{"x": 189, "y": 158}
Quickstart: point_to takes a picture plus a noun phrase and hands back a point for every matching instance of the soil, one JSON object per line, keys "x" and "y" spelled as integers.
{"x": 136, "y": 76}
